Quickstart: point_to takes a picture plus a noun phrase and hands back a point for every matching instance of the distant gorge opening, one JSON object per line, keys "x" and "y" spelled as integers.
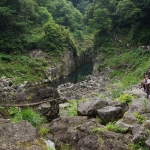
{"x": 78, "y": 75}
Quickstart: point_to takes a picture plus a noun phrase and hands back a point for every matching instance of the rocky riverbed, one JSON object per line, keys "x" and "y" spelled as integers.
{"x": 85, "y": 131}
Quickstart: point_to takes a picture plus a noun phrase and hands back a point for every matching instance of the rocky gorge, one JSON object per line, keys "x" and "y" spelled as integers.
{"x": 84, "y": 131}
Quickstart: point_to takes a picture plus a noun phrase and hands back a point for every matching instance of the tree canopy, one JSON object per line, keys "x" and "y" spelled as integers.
{"x": 132, "y": 16}
{"x": 29, "y": 24}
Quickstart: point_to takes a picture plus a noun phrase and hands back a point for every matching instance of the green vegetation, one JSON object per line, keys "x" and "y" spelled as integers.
{"x": 139, "y": 145}
{"x": 43, "y": 130}
{"x": 97, "y": 130}
{"x": 13, "y": 110}
{"x": 81, "y": 78}
{"x": 32, "y": 24}
{"x": 119, "y": 89}
{"x": 110, "y": 25}
{"x": 114, "y": 127}
{"x": 140, "y": 118}
{"x": 122, "y": 19}
{"x": 127, "y": 68}
{"x": 100, "y": 121}
{"x": 127, "y": 98}
{"x": 22, "y": 68}
{"x": 111, "y": 127}
{"x": 66, "y": 147}
{"x": 29, "y": 115}
{"x": 101, "y": 96}
{"x": 72, "y": 109}
{"x": 111, "y": 28}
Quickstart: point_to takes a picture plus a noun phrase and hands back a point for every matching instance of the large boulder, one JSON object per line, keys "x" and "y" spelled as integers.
{"x": 71, "y": 130}
{"x": 13, "y": 136}
{"x": 142, "y": 105}
{"x": 109, "y": 114}
{"x": 88, "y": 143}
{"x": 139, "y": 133}
{"x": 117, "y": 141}
{"x": 136, "y": 91}
{"x": 81, "y": 134}
{"x": 89, "y": 108}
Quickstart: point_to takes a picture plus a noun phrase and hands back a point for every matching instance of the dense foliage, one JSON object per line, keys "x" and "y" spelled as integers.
{"x": 30, "y": 24}
{"x": 129, "y": 19}
{"x": 54, "y": 25}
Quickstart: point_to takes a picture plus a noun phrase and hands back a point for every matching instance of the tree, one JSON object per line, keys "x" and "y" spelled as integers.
{"x": 127, "y": 11}
{"x": 56, "y": 37}
{"x": 82, "y": 5}
{"x": 101, "y": 19}
{"x": 67, "y": 15}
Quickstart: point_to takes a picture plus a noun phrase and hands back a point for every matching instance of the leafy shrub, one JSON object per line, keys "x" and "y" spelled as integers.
{"x": 29, "y": 115}
{"x": 113, "y": 127}
{"x": 140, "y": 118}
{"x": 13, "y": 110}
{"x": 127, "y": 98}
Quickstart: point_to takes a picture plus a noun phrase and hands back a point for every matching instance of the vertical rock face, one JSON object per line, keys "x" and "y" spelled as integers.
{"x": 67, "y": 65}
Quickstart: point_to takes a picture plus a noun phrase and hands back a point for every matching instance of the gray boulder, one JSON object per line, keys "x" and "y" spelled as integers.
{"x": 109, "y": 114}
{"x": 142, "y": 105}
{"x": 78, "y": 132}
{"x": 89, "y": 108}
{"x": 90, "y": 142}
{"x": 13, "y": 133}
{"x": 139, "y": 133}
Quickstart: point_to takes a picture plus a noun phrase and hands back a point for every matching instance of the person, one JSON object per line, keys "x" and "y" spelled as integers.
{"x": 148, "y": 72}
{"x": 147, "y": 87}
{"x": 148, "y": 80}
{"x": 143, "y": 83}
